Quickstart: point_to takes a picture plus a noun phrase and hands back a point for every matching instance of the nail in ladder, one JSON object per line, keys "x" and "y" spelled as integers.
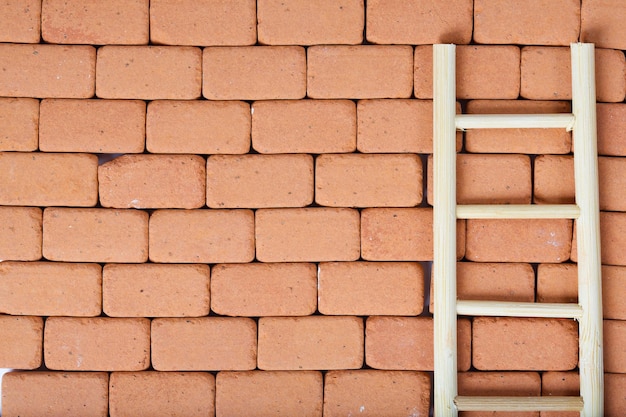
{"x": 588, "y": 311}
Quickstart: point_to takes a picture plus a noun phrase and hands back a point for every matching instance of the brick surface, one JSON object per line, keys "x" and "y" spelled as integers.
{"x": 301, "y": 22}
{"x": 304, "y": 126}
{"x": 19, "y": 124}
{"x": 47, "y": 71}
{"x": 371, "y": 288}
{"x": 95, "y": 235}
{"x": 20, "y": 21}
{"x": 20, "y": 342}
{"x": 97, "y": 344}
{"x": 20, "y": 233}
{"x": 560, "y": 383}
{"x": 50, "y": 289}
{"x": 611, "y": 121}
{"x": 209, "y": 343}
{"x": 203, "y": 22}
{"x": 61, "y": 180}
{"x": 376, "y": 393}
{"x": 149, "y": 72}
{"x": 406, "y": 343}
{"x": 202, "y": 236}
{"x": 362, "y": 71}
{"x": 310, "y": 343}
{"x": 614, "y": 400}
{"x": 153, "y": 181}
{"x": 161, "y": 394}
{"x": 554, "y": 179}
{"x": 49, "y": 394}
{"x": 612, "y": 238}
{"x": 254, "y": 181}
{"x": 208, "y": 127}
{"x": 558, "y": 283}
{"x": 615, "y": 346}
{"x": 254, "y": 73}
{"x": 612, "y": 180}
{"x": 275, "y": 393}
{"x": 602, "y": 23}
{"x": 155, "y": 290}
{"x": 275, "y": 289}
{"x": 95, "y": 22}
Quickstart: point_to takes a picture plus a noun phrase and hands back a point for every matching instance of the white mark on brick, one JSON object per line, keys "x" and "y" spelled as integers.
{"x": 361, "y": 409}
{"x": 135, "y": 203}
{"x": 553, "y": 241}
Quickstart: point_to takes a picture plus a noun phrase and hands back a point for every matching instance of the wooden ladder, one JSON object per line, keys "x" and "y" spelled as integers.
{"x": 588, "y": 310}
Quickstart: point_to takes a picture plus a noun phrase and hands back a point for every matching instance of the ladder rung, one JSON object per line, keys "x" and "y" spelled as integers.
{"x": 465, "y": 403}
{"x": 512, "y": 121}
{"x": 518, "y": 309}
{"x": 517, "y": 211}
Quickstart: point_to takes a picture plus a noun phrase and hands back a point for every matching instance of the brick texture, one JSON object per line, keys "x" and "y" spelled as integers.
{"x": 19, "y": 124}
{"x": 601, "y": 23}
{"x": 612, "y": 238}
{"x": 20, "y": 342}
{"x": 20, "y": 21}
{"x": 560, "y": 383}
{"x": 614, "y": 341}
{"x": 20, "y": 233}
{"x": 615, "y": 403}
{"x": 611, "y": 119}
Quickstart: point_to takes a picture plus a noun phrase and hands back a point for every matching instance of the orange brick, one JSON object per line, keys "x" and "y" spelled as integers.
{"x": 614, "y": 342}
{"x": 155, "y": 290}
{"x": 612, "y": 181}
{"x": 614, "y": 286}
{"x": 602, "y": 23}
{"x": 254, "y": 73}
{"x": 371, "y": 288}
{"x": 310, "y": 343}
{"x": 257, "y": 289}
{"x": 20, "y": 21}
{"x": 202, "y": 236}
{"x": 554, "y": 179}
{"x": 95, "y": 235}
{"x": 203, "y": 22}
{"x": 50, "y": 289}
{"x": 49, "y": 394}
{"x": 269, "y": 393}
{"x": 611, "y": 120}
{"x": 361, "y": 71}
{"x": 558, "y": 283}
{"x": 47, "y": 71}
{"x": 612, "y": 238}
{"x": 153, "y": 181}
{"x": 614, "y": 400}
{"x": 535, "y": 22}
{"x": 528, "y": 141}
{"x": 301, "y": 22}
{"x": 546, "y": 74}
{"x": 209, "y": 343}
{"x": 304, "y": 126}
{"x": 169, "y": 120}
{"x": 95, "y": 22}
{"x": 20, "y": 342}
{"x": 61, "y": 180}
{"x": 511, "y": 343}
{"x": 560, "y": 383}
{"x": 20, "y": 233}
{"x": 97, "y": 344}
{"x": 376, "y": 393}
{"x": 19, "y": 124}
{"x": 162, "y": 394}
{"x": 488, "y": 72}
{"x": 406, "y": 343}
{"x": 401, "y": 234}
{"x": 253, "y": 181}
{"x": 149, "y": 72}
{"x": 307, "y": 234}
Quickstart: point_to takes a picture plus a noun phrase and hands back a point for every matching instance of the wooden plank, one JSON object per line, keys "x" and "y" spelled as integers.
{"x": 519, "y": 403}
{"x": 515, "y": 121}
{"x": 517, "y": 211}
{"x": 515, "y": 309}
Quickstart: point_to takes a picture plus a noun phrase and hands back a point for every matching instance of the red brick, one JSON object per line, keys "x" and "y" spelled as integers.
{"x": 20, "y": 233}
{"x": 546, "y": 74}
{"x": 307, "y": 234}
{"x": 615, "y": 346}
{"x": 155, "y": 290}
{"x": 310, "y": 343}
{"x": 371, "y": 288}
{"x": 61, "y": 180}
{"x": 169, "y": 120}
{"x": 611, "y": 121}
{"x": 301, "y": 22}
{"x": 20, "y": 342}
{"x": 254, "y": 73}
{"x": 614, "y": 399}
{"x": 20, "y": 21}
{"x": 528, "y": 141}
{"x": 153, "y": 181}
{"x": 612, "y": 238}
{"x": 557, "y": 283}
{"x": 401, "y": 234}
{"x": 50, "y": 289}
{"x": 489, "y": 72}
{"x": 560, "y": 383}
{"x": 49, "y": 394}
{"x": 602, "y": 23}
{"x": 376, "y": 393}
{"x": 257, "y": 289}
{"x": 406, "y": 343}
{"x": 304, "y": 126}
{"x": 47, "y": 71}
{"x": 612, "y": 181}
{"x": 97, "y": 344}
{"x": 535, "y": 22}
{"x": 269, "y": 393}
{"x": 510, "y": 343}
{"x": 99, "y": 126}
{"x": 161, "y": 394}
{"x": 95, "y": 235}
{"x": 254, "y": 181}
{"x": 209, "y": 343}
{"x": 203, "y": 22}
{"x": 202, "y": 236}
{"x": 149, "y": 72}
{"x": 19, "y": 124}
{"x": 95, "y": 22}
{"x": 614, "y": 286}
{"x": 554, "y": 179}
